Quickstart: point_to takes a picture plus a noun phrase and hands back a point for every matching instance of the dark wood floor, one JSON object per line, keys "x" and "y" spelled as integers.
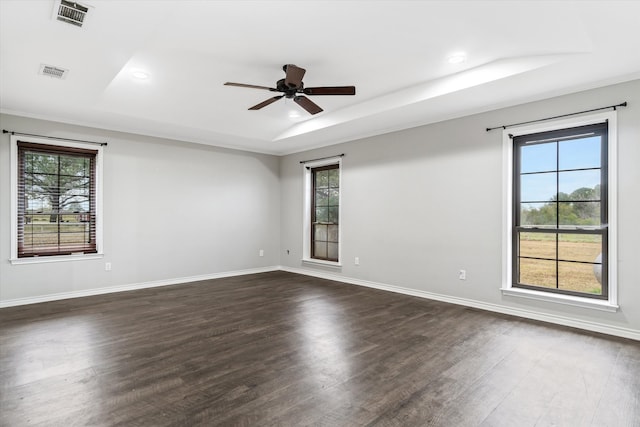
{"x": 284, "y": 349}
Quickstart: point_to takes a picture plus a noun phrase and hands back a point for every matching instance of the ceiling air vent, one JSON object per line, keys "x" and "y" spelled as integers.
{"x": 51, "y": 71}
{"x": 71, "y": 12}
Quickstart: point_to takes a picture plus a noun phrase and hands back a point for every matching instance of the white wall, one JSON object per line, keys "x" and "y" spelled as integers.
{"x": 419, "y": 205}
{"x": 172, "y": 210}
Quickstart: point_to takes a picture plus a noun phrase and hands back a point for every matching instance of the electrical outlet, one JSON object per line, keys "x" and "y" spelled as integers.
{"x": 261, "y": 253}
{"x": 107, "y": 266}
{"x": 462, "y": 275}
{"x": 356, "y": 261}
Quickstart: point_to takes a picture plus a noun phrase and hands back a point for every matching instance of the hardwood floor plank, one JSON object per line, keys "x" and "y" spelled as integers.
{"x": 620, "y": 401}
{"x": 280, "y": 349}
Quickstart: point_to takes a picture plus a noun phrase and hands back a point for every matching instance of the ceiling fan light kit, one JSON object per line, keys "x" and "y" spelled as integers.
{"x": 292, "y": 87}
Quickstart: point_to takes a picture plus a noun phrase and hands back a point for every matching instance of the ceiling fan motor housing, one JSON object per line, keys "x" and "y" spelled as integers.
{"x": 289, "y": 92}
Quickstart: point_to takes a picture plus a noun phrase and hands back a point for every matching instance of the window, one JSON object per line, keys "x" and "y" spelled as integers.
{"x": 322, "y": 212}
{"x": 561, "y": 212}
{"x": 56, "y": 199}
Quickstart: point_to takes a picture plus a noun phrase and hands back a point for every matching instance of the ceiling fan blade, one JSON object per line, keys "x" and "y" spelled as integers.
{"x": 307, "y": 104}
{"x": 265, "y": 103}
{"x": 294, "y": 75}
{"x": 330, "y": 90}
{"x": 251, "y": 86}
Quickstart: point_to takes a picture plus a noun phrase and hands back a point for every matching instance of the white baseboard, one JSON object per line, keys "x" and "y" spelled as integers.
{"x": 528, "y": 314}
{"x": 131, "y": 287}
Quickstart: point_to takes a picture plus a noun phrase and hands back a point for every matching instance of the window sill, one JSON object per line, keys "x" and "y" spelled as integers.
{"x": 321, "y": 263}
{"x": 561, "y": 299}
{"x": 60, "y": 258}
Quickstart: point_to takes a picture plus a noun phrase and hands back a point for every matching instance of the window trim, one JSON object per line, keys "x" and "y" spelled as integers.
{"x": 609, "y": 304}
{"x": 306, "y": 231}
{"x": 14, "y": 200}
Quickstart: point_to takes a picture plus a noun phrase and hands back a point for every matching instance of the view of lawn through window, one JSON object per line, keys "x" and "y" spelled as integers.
{"x": 560, "y": 211}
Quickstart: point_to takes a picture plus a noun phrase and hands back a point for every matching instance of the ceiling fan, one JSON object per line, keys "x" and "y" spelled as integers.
{"x": 291, "y": 86}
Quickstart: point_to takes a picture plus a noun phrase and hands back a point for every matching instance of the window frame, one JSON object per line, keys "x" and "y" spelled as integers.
{"x": 15, "y": 179}
{"x": 560, "y": 135}
{"x": 608, "y": 302}
{"x": 309, "y": 195}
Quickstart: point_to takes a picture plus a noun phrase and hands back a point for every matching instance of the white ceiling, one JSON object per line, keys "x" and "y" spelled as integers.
{"x": 394, "y": 52}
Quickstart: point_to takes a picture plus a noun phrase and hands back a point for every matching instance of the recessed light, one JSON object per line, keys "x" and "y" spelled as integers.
{"x": 294, "y": 114}
{"x": 139, "y": 74}
{"x": 457, "y": 58}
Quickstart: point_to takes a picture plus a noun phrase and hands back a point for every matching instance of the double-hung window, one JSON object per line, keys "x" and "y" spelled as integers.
{"x": 56, "y": 199}
{"x": 322, "y": 212}
{"x": 561, "y": 214}
{"x": 325, "y": 212}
